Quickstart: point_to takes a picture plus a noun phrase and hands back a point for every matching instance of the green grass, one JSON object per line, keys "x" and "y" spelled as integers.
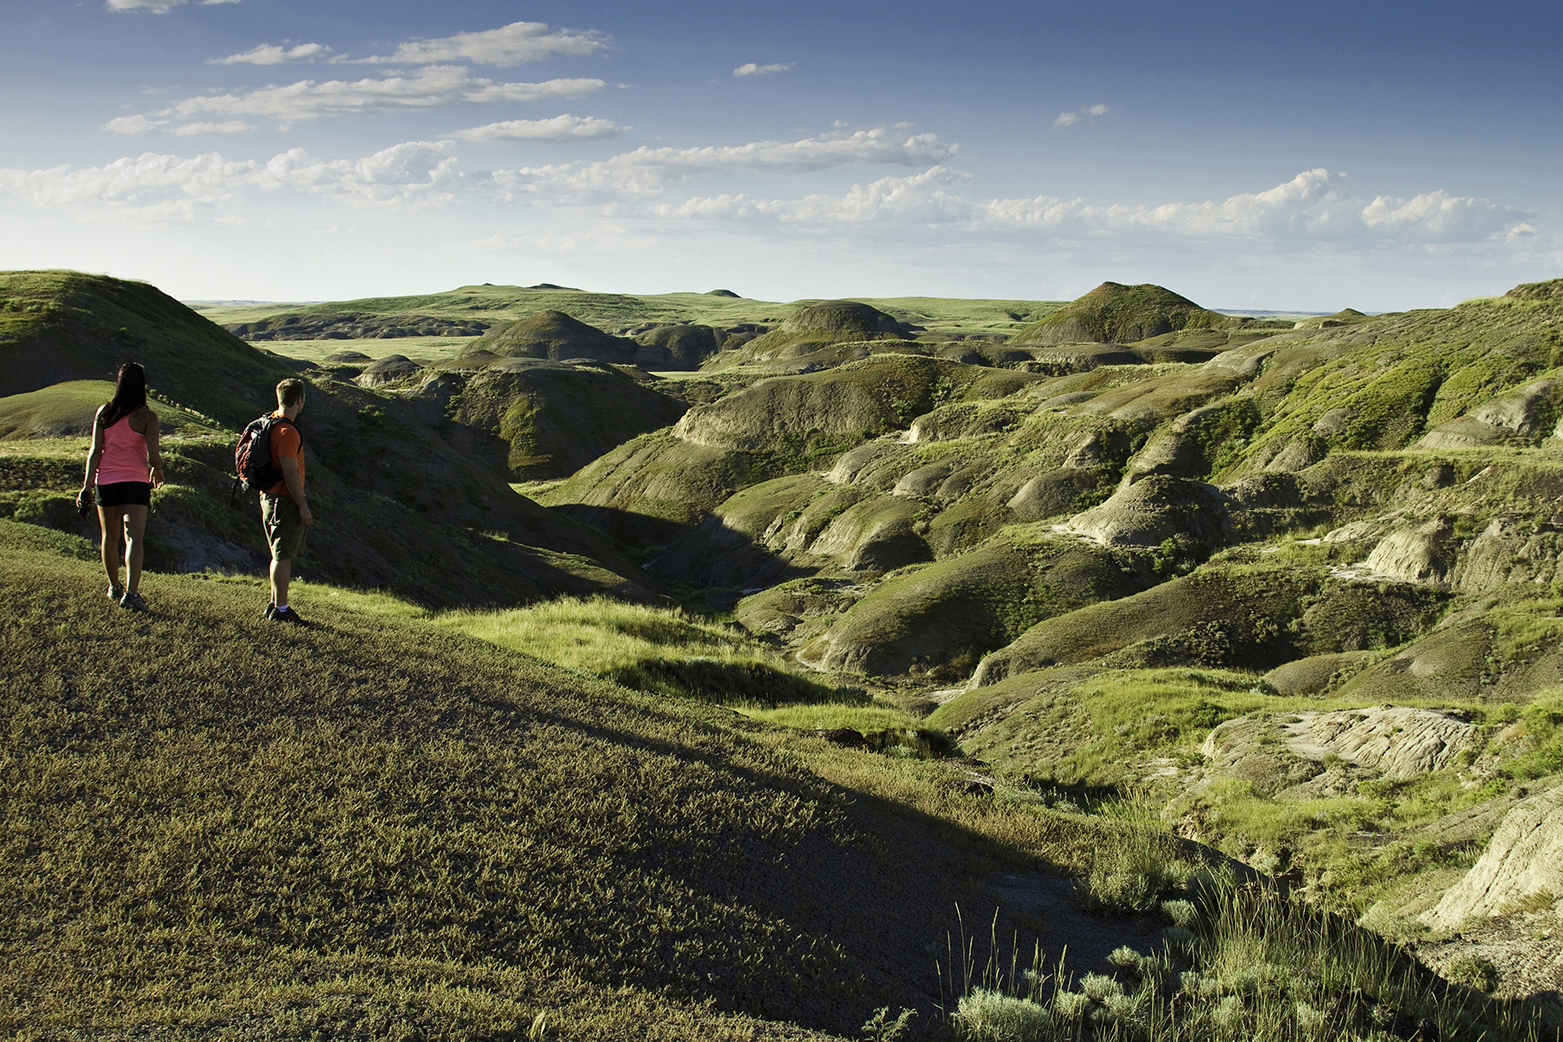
{"x": 66, "y": 409}
{"x": 378, "y": 824}
{"x": 877, "y": 716}
{"x": 647, "y": 648}
{"x": 1243, "y": 964}
{"x": 372, "y": 821}
{"x": 1100, "y": 729}
{"x": 429, "y": 349}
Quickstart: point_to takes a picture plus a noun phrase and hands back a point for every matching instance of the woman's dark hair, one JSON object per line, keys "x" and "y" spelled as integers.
{"x": 130, "y": 393}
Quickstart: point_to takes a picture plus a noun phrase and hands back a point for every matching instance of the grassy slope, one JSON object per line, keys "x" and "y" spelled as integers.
{"x": 405, "y": 501}
{"x": 64, "y": 325}
{"x": 374, "y": 824}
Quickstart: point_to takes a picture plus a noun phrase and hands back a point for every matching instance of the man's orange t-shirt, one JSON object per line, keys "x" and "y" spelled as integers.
{"x": 286, "y": 441}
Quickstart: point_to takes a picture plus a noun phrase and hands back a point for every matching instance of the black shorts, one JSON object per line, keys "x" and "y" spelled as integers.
{"x": 125, "y": 494}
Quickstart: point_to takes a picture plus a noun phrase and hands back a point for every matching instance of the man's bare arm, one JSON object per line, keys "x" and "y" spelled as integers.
{"x": 290, "y": 478}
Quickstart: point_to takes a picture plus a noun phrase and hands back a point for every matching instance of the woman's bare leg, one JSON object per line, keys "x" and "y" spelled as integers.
{"x": 135, "y": 545}
{"x": 109, "y": 521}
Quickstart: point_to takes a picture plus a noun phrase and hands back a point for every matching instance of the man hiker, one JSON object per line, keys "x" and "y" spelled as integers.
{"x": 284, "y": 511}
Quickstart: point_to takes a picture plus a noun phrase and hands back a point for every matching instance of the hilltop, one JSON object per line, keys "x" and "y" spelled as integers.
{"x": 1117, "y": 314}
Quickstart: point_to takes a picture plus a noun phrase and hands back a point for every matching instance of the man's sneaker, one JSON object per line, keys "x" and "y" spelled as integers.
{"x": 133, "y": 602}
{"x": 286, "y": 615}
{"x": 271, "y": 609}
{"x": 116, "y": 593}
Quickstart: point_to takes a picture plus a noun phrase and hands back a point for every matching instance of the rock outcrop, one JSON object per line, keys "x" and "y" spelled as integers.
{"x": 1523, "y": 863}
{"x": 1399, "y": 742}
{"x": 1413, "y": 553}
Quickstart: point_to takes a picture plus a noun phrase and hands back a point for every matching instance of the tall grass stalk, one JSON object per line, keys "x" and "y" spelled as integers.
{"x": 1257, "y": 967}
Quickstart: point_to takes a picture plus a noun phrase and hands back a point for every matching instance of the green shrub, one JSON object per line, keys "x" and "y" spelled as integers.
{"x": 1134, "y": 875}
{"x": 1473, "y": 971}
{"x": 992, "y": 1016}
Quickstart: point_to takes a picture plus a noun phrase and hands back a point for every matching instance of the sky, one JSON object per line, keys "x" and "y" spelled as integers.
{"x": 1253, "y": 155}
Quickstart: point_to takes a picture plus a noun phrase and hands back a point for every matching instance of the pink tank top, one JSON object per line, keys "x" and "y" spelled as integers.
{"x": 124, "y": 454}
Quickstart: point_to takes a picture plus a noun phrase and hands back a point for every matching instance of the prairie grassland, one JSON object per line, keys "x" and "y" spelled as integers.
{"x": 422, "y": 348}
{"x": 612, "y": 311}
{"x": 381, "y": 826}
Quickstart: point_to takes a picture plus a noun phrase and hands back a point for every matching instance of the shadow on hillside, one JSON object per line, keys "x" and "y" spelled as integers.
{"x": 884, "y": 885}
{"x": 708, "y": 554}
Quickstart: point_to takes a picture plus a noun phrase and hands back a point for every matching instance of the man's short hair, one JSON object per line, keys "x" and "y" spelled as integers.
{"x": 290, "y": 392}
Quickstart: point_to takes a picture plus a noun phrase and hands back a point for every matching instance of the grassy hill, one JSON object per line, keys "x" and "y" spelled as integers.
{"x": 373, "y": 821}
{"x": 377, "y": 827}
{"x": 57, "y": 326}
{"x": 1114, "y": 313}
{"x": 410, "y": 498}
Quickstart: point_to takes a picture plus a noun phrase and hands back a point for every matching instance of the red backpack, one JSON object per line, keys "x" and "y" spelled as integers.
{"x": 252, "y": 461}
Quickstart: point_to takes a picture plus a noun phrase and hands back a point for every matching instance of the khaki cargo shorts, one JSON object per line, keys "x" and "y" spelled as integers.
{"x": 284, "y": 531}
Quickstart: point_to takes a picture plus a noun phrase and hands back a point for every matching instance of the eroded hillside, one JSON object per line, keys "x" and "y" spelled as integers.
{"x": 1354, "y": 512}
{"x": 1291, "y": 586}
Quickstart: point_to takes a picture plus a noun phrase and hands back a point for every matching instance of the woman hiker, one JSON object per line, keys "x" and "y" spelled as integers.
{"x": 126, "y": 465}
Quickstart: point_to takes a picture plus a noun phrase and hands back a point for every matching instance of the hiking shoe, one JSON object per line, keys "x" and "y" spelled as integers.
{"x": 133, "y": 602}
{"x": 286, "y": 615}
{"x": 271, "y": 609}
{"x": 116, "y": 593}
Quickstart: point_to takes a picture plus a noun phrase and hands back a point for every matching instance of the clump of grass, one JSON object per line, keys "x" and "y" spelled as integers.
{"x": 992, "y": 1016}
{"x": 1473, "y": 971}
{"x": 1133, "y": 875}
{"x": 1259, "y": 968}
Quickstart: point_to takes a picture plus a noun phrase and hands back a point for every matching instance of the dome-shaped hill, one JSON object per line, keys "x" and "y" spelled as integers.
{"x": 65, "y": 325}
{"x": 686, "y": 345}
{"x": 1343, "y": 317}
{"x": 840, "y": 316}
{"x": 558, "y": 418}
{"x": 388, "y": 370}
{"x": 1117, "y": 314}
{"x": 1552, "y": 289}
{"x": 805, "y": 334}
{"x": 555, "y": 336}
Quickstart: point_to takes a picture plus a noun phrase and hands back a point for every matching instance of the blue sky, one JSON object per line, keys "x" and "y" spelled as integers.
{"x": 1249, "y": 155}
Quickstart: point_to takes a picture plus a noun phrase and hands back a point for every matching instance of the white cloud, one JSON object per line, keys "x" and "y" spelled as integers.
{"x": 232, "y": 126}
{"x": 1083, "y": 113}
{"x": 559, "y": 128}
{"x": 648, "y": 172}
{"x": 513, "y": 44}
{"x": 920, "y": 199}
{"x": 1441, "y": 217}
{"x": 1315, "y": 207}
{"x": 133, "y": 126}
{"x": 156, "y": 6}
{"x": 753, "y": 69}
{"x": 153, "y": 187}
{"x": 434, "y": 86}
{"x": 272, "y": 54}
